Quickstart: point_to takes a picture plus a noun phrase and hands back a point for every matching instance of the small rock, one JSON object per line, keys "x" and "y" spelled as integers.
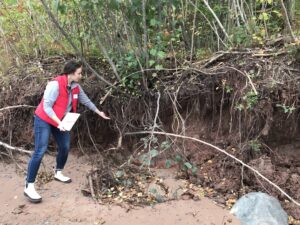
{"x": 295, "y": 178}
{"x": 19, "y": 209}
{"x": 221, "y": 201}
{"x": 282, "y": 178}
{"x": 220, "y": 186}
{"x": 196, "y": 198}
{"x": 157, "y": 192}
{"x": 187, "y": 196}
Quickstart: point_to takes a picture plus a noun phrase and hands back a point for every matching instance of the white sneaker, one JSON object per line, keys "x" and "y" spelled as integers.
{"x": 60, "y": 177}
{"x": 31, "y": 193}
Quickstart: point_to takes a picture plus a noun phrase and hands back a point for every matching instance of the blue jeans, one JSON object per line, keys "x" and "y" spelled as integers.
{"x": 42, "y": 132}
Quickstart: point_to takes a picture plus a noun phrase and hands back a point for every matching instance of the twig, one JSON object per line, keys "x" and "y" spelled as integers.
{"x": 15, "y": 148}
{"x": 211, "y": 60}
{"x": 157, "y": 111}
{"x": 269, "y": 54}
{"x": 17, "y": 106}
{"x": 220, "y": 150}
{"x": 242, "y": 178}
{"x": 155, "y": 119}
{"x": 119, "y": 145}
{"x": 221, "y": 108}
{"x": 79, "y": 144}
{"x": 91, "y": 138}
{"x": 106, "y": 95}
{"x": 91, "y": 186}
{"x": 174, "y": 69}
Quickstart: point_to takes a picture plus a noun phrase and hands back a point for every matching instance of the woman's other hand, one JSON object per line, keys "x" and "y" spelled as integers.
{"x": 61, "y": 127}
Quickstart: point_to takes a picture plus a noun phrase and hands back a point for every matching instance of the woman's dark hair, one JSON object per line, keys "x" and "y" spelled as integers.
{"x": 71, "y": 67}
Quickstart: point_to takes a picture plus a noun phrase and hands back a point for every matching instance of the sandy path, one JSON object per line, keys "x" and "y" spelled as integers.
{"x": 64, "y": 203}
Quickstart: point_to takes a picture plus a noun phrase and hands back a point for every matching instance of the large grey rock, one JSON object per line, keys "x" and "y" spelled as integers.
{"x": 258, "y": 208}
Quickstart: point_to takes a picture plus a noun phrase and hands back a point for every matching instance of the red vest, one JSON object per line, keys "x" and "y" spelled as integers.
{"x": 61, "y": 104}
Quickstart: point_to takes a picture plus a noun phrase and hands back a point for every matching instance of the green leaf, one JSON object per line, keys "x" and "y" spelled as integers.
{"x": 153, "y": 52}
{"x": 194, "y": 170}
{"x": 264, "y": 16}
{"x": 165, "y": 145}
{"x": 151, "y": 62}
{"x": 158, "y": 67}
{"x": 279, "y": 14}
{"x": 83, "y": 3}
{"x": 292, "y": 108}
{"x": 148, "y": 162}
{"x": 168, "y": 163}
{"x": 188, "y": 165}
{"x": 153, "y": 22}
{"x": 153, "y": 190}
{"x": 119, "y": 173}
{"x": 178, "y": 158}
{"x": 154, "y": 140}
{"x": 62, "y": 8}
{"x": 161, "y": 54}
{"x": 153, "y": 153}
{"x": 12, "y": 2}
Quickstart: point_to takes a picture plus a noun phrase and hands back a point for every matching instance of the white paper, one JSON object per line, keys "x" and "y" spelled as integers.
{"x": 69, "y": 120}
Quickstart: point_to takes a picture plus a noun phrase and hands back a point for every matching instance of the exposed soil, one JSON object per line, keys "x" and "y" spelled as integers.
{"x": 211, "y": 100}
{"x": 65, "y": 204}
{"x": 230, "y": 181}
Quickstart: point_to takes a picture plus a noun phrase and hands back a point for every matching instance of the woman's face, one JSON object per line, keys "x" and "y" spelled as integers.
{"x": 76, "y": 76}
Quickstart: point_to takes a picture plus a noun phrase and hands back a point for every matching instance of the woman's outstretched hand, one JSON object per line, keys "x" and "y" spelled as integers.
{"x": 102, "y": 114}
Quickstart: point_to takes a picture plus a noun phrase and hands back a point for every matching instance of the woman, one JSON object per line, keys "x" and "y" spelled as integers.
{"x": 61, "y": 96}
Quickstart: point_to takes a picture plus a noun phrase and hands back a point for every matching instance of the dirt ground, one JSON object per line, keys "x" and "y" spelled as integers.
{"x": 65, "y": 204}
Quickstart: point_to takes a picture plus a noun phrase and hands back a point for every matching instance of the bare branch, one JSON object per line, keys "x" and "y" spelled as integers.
{"x": 14, "y": 148}
{"x": 17, "y": 106}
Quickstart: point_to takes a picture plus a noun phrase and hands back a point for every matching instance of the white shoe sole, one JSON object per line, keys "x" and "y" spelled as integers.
{"x": 66, "y": 182}
{"x": 32, "y": 199}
